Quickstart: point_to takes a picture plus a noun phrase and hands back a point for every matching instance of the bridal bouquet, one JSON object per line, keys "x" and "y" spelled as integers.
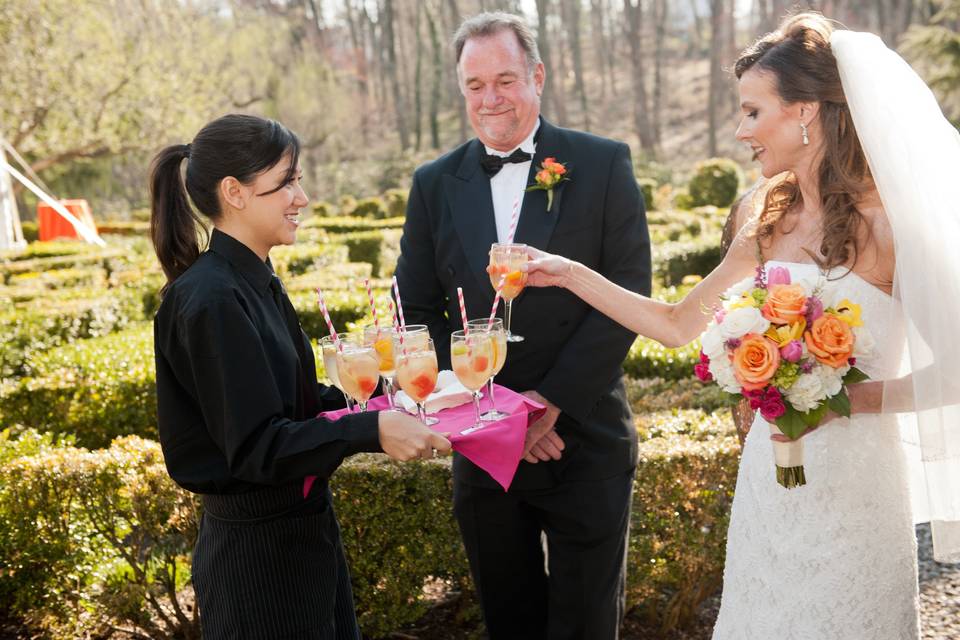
{"x": 784, "y": 348}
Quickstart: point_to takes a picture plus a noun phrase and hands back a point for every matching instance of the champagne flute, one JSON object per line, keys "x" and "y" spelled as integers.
{"x": 498, "y": 338}
{"x": 417, "y": 374}
{"x": 381, "y": 339}
{"x": 505, "y": 263}
{"x": 329, "y": 350}
{"x": 359, "y": 369}
{"x": 472, "y": 358}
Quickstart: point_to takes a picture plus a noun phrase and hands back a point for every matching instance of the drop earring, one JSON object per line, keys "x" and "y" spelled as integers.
{"x": 803, "y": 131}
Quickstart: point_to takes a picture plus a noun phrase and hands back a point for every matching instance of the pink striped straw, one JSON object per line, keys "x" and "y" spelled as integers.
{"x": 514, "y": 217}
{"x": 396, "y": 292}
{"x": 373, "y": 306}
{"x": 496, "y": 302}
{"x": 396, "y": 327}
{"x": 463, "y": 312}
{"x": 326, "y": 317}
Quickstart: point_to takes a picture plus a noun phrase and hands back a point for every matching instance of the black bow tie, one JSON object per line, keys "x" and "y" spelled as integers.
{"x": 492, "y": 164}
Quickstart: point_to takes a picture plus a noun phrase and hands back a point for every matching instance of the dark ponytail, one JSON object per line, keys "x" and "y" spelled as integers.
{"x": 240, "y": 146}
{"x": 174, "y": 226}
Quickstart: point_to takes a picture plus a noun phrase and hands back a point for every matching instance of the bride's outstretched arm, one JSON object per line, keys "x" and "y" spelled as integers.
{"x": 672, "y": 325}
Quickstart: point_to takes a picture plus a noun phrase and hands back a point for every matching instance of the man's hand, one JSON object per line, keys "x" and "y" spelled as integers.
{"x": 542, "y": 442}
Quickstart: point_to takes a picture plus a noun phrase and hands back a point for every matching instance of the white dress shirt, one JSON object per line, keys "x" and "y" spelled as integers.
{"x": 507, "y": 187}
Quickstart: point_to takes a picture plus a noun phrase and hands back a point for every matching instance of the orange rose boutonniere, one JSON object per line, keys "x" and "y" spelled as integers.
{"x": 551, "y": 174}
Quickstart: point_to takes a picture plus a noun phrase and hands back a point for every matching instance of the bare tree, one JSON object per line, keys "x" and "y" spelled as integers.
{"x": 553, "y": 89}
{"x": 717, "y": 9}
{"x": 599, "y": 37}
{"x": 436, "y": 81}
{"x": 418, "y": 80}
{"x": 696, "y": 31}
{"x": 659, "y": 50}
{"x": 572, "y": 16}
{"x": 454, "y": 19}
{"x": 393, "y": 76}
{"x": 633, "y": 18}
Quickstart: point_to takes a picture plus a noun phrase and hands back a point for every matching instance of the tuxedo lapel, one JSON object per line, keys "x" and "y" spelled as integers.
{"x": 536, "y": 223}
{"x": 471, "y": 207}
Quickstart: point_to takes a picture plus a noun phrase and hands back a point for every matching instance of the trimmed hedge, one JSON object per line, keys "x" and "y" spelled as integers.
{"x": 379, "y": 248}
{"x": 95, "y": 389}
{"x": 31, "y": 328}
{"x": 346, "y": 224}
{"x": 682, "y": 496}
{"x": 103, "y": 532}
{"x": 715, "y": 182}
{"x": 95, "y": 539}
{"x": 124, "y": 228}
{"x": 672, "y": 262}
{"x": 103, "y": 257}
{"x": 649, "y": 359}
{"x": 296, "y": 259}
{"x": 651, "y": 395}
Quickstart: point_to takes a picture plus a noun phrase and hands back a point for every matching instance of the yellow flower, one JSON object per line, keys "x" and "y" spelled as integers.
{"x": 849, "y": 313}
{"x": 785, "y": 333}
{"x": 746, "y": 300}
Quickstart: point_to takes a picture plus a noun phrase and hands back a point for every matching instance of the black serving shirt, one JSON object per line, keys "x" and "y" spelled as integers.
{"x": 235, "y": 403}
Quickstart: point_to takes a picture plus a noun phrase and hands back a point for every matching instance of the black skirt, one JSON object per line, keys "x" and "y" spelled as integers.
{"x": 270, "y": 565}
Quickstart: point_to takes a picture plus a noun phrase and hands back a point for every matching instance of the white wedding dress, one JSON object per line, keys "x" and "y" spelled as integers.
{"x": 836, "y": 558}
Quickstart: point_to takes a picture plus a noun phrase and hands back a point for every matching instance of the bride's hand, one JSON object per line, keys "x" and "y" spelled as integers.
{"x": 546, "y": 269}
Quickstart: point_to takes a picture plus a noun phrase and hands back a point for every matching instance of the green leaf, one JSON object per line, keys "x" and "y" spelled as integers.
{"x": 854, "y": 376}
{"x": 813, "y": 417}
{"x": 791, "y": 423}
{"x": 840, "y": 404}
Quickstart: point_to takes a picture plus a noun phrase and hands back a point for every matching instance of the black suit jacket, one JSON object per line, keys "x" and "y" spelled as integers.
{"x": 572, "y": 353}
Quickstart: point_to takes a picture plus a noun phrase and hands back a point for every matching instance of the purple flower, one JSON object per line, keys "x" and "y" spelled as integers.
{"x": 778, "y": 275}
{"x": 806, "y": 366}
{"x": 732, "y": 343}
{"x": 852, "y": 362}
{"x": 760, "y": 280}
{"x": 792, "y": 351}
{"x": 814, "y": 309}
{"x": 772, "y": 406}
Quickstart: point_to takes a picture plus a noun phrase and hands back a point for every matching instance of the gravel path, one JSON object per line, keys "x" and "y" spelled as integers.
{"x": 939, "y": 592}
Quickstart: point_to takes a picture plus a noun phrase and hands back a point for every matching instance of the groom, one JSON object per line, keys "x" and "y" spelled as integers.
{"x": 575, "y": 483}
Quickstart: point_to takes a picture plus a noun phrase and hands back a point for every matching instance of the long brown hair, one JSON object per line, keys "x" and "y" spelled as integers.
{"x": 798, "y": 53}
{"x": 241, "y": 146}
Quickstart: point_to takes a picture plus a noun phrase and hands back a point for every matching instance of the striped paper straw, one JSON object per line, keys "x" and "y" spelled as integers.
{"x": 514, "y": 217}
{"x": 396, "y": 292}
{"x": 396, "y": 326}
{"x": 373, "y": 306}
{"x": 326, "y": 317}
{"x": 463, "y": 311}
{"x": 496, "y": 302}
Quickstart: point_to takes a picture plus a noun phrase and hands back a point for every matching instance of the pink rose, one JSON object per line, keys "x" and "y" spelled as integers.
{"x": 778, "y": 275}
{"x": 755, "y": 397}
{"x": 772, "y": 406}
{"x": 792, "y": 351}
{"x": 702, "y": 368}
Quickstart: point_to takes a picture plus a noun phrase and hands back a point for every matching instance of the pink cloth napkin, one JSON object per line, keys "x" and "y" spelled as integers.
{"x": 496, "y": 448}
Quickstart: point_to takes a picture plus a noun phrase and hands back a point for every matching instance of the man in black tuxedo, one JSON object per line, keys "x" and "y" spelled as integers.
{"x": 575, "y": 482}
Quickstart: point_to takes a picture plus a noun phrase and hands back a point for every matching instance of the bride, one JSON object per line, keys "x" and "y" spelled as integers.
{"x": 853, "y": 148}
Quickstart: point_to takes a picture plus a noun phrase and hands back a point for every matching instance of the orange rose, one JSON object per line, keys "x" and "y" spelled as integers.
{"x": 786, "y": 304}
{"x": 543, "y": 176}
{"x": 755, "y": 361}
{"x": 830, "y": 340}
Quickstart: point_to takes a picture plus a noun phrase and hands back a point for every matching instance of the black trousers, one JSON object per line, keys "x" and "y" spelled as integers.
{"x": 580, "y": 595}
{"x": 270, "y": 565}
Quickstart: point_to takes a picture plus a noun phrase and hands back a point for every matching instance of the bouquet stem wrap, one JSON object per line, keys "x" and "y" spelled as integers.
{"x": 789, "y": 461}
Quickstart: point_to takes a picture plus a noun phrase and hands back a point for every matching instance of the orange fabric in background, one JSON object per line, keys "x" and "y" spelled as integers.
{"x": 51, "y": 224}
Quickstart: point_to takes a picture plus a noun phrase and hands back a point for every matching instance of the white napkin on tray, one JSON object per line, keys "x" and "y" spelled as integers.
{"x": 448, "y": 393}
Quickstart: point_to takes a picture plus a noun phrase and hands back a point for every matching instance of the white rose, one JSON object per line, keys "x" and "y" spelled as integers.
{"x": 723, "y": 374}
{"x": 739, "y": 289}
{"x": 807, "y": 392}
{"x": 830, "y": 379}
{"x": 712, "y": 343}
{"x": 742, "y": 321}
{"x": 864, "y": 344}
